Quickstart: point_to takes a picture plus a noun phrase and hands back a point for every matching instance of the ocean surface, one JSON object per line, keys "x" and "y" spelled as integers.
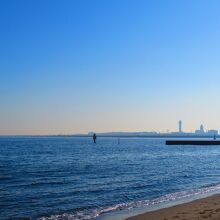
{"x": 72, "y": 178}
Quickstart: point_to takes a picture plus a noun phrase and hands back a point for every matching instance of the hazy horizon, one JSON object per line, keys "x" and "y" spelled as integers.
{"x": 77, "y": 66}
{"x": 110, "y": 131}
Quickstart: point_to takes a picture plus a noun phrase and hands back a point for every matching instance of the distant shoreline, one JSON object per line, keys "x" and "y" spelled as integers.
{"x": 119, "y": 136}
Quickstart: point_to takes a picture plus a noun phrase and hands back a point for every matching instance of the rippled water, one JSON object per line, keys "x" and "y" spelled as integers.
{"x": 72, "y": 178}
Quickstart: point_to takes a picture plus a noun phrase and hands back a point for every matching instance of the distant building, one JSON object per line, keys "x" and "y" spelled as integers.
{"x": 200, "y": 131}
{"x": 180, "y": 126}
{"x": 212, "y": 132}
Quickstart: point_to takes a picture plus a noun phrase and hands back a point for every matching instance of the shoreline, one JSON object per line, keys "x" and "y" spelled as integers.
{"x": 168, "y": 201}
{"x": 205, "y": 208}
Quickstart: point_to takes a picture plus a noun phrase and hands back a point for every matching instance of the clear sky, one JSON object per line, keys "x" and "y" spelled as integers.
{"x": 73, "y": 66}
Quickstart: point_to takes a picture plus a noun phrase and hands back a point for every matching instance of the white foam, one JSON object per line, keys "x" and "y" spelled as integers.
{"x": 91, "y": 214}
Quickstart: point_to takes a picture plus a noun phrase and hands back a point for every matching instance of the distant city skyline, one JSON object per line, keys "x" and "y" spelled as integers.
{"x": 72, "y": 67}
{"x": 199, "y": 131}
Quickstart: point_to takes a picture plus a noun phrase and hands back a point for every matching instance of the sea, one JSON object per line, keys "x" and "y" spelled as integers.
{"x": 65, "y": 178}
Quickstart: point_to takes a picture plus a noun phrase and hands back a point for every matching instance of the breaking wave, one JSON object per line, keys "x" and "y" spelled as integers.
{"x": 94, "y": 213}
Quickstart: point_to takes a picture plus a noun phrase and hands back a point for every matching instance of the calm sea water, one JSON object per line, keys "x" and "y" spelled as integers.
{"x": 72, "y": 178}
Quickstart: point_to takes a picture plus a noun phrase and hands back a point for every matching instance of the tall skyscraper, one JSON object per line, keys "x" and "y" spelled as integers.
{"x": 180, "y": 126}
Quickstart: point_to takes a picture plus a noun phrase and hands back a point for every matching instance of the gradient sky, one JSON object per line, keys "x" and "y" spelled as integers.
{"x": 74, "y": 66}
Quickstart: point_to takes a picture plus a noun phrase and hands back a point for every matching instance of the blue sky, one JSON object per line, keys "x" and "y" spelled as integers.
{"x": 78, "y": 66}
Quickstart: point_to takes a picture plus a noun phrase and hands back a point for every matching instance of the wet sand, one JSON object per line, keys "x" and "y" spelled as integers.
{"x": 201, "y": 209}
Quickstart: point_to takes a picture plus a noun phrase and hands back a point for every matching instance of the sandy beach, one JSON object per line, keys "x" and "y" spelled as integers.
{"x": 206, "y": 208}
